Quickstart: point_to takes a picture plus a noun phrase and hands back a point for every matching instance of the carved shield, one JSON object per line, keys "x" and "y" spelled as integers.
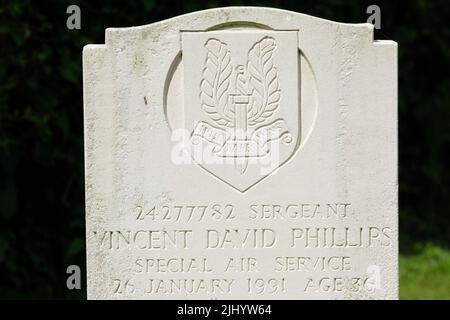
{"x": 241, "y": 102}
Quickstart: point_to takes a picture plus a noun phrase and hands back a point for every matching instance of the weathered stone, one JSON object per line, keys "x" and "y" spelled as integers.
{"x": 241, "y": 153}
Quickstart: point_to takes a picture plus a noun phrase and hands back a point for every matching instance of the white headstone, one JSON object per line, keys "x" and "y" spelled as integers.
{"x": 241, "y": 153}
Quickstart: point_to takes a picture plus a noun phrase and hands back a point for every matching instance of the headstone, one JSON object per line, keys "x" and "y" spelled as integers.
{"x": 241, "y": 153}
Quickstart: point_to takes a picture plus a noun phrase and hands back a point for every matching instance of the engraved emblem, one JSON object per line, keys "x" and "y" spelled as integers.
{"x": 241, "y": 95}
{"x": 255, "y": 98}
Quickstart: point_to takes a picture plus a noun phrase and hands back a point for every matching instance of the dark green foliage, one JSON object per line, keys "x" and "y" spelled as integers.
{"x": 41, "y": 123}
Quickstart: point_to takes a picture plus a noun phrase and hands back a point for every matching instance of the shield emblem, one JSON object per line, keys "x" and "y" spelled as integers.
{"x": 241, "y": 102}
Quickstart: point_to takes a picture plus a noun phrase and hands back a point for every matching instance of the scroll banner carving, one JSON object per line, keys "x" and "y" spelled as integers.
{"x": 258, "y": 145}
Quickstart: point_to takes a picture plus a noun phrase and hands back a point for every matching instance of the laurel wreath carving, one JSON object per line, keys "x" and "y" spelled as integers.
{"x": 262, "y": 79}
{"x": 216, "y": 83}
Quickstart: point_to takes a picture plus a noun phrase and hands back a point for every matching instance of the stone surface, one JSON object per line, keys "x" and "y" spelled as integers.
{"x": 241, "y": 153}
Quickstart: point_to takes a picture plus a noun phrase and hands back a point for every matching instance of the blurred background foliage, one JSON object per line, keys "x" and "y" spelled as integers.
{"x": 41, "y": 132}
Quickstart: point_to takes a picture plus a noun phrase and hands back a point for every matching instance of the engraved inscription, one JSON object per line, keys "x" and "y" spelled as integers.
{"x": 163, "y": 265}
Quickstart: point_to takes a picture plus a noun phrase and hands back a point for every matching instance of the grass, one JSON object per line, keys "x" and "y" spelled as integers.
{"x": 425, "y": 274}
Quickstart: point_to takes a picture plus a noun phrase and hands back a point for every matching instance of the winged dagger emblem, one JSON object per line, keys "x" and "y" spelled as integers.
{"x": 240, "y": 99}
